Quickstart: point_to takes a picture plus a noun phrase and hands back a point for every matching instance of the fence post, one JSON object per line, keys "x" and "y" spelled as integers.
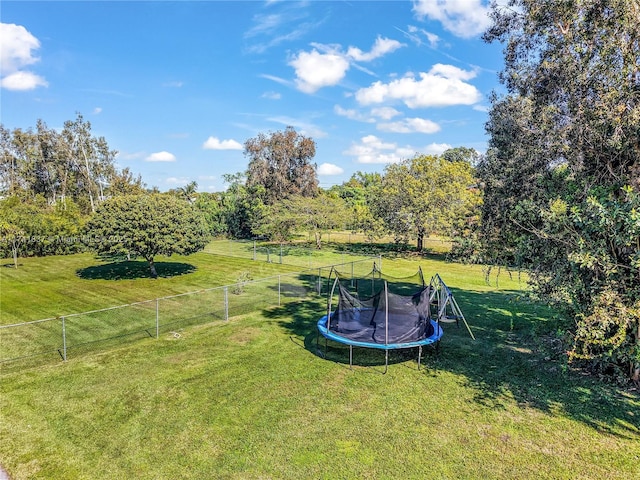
{"x": 281, "y": 253}
{"x": 226, "y": 303}
{"x": 278, "y": 290}
{"x": 254, "y": 250}
{"x": 64, "y": 340}
{"x": 380, "y": 261}
{"x": 157, "y": 318}
{"x": 319, "y": 281}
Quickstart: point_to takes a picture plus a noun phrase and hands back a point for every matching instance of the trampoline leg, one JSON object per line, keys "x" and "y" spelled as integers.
{"x": 351, "y": 357}
{"x": 386, "y": 361}
{"x": 419, "y": 355}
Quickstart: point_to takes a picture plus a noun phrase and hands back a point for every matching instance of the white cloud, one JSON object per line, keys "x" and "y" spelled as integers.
{"x": 214, "y": 143}
{"x": 264, "y": 24}
{"x": 432, "y": 38}
{"x": 385, "y": 113}
{"x": 97, "y": 110}
{"x": 352, "y": 114}
{"x": 410, "y": 125}
{"x": 329, "y": 169}
{"x": 315, "y": 70}
{"x": 443, "y": 85}
{"x": 16, "y": 46}
{"x": 449, "y": 71}
{"x": 463, "y": 18}
{"x": 175, "y": 84}
{"x": 381, "y": 47}
{"x": 326, "y": 65}
{"x": 436, "y": 148}
{"x": 161, "y": 157}
{"x": 413, "y": 33}
{"x": 373, "y": 150}
{"x": 23, "y": 81}
{"x": 16, "y": 52}
{"x": 273, "y": 78}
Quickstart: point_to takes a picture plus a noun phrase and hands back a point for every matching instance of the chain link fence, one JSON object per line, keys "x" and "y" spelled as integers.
{"x": 69, "y": 336}
{"x": 301, "y": 255}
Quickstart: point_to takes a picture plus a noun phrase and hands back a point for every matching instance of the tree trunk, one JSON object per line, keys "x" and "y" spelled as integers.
{"x": 89, "y": 183}
{"x": 420, "y": 243}
{"x": 318, "y": 244}
{"x": 152, "y": 267}
{"x": 15, "y": 256}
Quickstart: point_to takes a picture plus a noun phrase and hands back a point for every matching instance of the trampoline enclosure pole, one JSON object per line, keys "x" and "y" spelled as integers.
{"x": 386, "y": 326}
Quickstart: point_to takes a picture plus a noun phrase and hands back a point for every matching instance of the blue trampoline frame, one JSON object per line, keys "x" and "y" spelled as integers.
{"x": 327, "y": 334}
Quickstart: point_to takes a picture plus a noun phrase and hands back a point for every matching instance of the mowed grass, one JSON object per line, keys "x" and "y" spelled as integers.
{"x": 63, "y": 285}
{"x": 254, "y": 398}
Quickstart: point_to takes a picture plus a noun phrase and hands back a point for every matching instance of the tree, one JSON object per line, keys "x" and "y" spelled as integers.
{"x": 147, "y": 225}
{"x": 189, "y": 192}
{"x": 359, "y": 194}
{"x": 461, "y": 154}
{"x": 13, "y": 236}
{"x": 317, "y": 215}
{"x": 210, "y": 204}
{"x": 36, "y": 228}
{"x": 91, "y": 157}
{"x": 425, "y": 195}
{"x": 241, "y": 208}
{"x": 280, "y": 163}
{"x": 71, "y": 163}
{"x": 561, "y": 176}
{"x": 125, "y": 183}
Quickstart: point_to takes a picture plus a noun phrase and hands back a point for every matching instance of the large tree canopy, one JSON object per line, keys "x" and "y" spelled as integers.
{"x": 562, "y": 173}
{"x": 147, "y": 225}
{"x": 426, "y": 194}
{"x": 315, "y": 215}
{"x": 280, "y": 163}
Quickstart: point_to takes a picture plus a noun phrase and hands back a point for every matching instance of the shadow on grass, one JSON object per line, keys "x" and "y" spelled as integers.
{"x": 129, "y": 270}
{"x": 509, "y": 360}
{"x": 389, "y": 250}
{"x": 11, "y": 265}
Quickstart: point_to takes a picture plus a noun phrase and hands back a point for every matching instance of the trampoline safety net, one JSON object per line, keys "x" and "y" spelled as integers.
{"x": 385, "y": 317}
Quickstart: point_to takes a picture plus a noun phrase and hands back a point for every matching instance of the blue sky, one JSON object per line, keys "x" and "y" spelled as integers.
{"x": 178, "y": 87}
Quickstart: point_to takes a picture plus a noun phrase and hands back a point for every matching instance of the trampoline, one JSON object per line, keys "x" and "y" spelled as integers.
{"x": 390, "y": 318}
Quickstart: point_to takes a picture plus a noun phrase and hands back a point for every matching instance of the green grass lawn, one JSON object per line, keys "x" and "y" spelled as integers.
{"x": 62, "y": 285}
{"x": 253, "y": 397}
